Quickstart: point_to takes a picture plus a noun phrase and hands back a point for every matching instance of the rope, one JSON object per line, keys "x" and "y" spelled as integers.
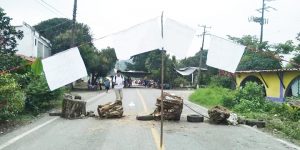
{"x": 195, "y": 110}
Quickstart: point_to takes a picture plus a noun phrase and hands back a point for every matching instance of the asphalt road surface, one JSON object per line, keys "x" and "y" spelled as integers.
{"x": 54, "y": 133}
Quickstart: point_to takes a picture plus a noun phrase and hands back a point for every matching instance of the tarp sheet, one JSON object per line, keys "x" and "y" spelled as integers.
{"x": 64, "y": 68}
{"x": 187, "y": 71}
{"x": 224, "y": 54}
{"x": 147, "y": 37}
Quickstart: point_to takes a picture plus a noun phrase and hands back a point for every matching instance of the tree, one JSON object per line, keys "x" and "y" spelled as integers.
{"x": 98, "y": 63}
{"x": 257, "y": 56}
{"x": 8, "y": 43}
{"x": 53, "y": 27}
{"x": 62, "y": 41}
{"x": 285, "y": 48}
{"x": 8, "y": 34}
{"x": 58, "y": 31}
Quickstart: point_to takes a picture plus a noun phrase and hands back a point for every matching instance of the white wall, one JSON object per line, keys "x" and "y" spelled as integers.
{"x": 32, "y": 42}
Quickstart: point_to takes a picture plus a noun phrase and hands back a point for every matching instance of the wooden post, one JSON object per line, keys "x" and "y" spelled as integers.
{"x": 162, "y": 86}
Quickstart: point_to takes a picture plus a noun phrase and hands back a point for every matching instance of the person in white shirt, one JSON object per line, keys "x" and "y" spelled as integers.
{"x": 118, "y": 81}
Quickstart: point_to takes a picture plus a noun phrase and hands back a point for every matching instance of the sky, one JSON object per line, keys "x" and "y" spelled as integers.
{"x": 225, "y": 17}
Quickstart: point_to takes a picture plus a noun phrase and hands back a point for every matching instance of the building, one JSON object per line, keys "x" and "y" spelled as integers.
{"x": 33, "y": 44}
{"x": 278, "y": 84}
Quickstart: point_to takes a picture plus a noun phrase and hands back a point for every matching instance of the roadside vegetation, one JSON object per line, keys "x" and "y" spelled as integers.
{"x": 249, "y": 102}
{"x": 24, "y": 92}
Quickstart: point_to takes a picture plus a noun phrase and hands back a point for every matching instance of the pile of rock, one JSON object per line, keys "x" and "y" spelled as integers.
{"x": 111, "y": 110}
{"x": 218, "y": 115}
{"x": 172, "y": 107}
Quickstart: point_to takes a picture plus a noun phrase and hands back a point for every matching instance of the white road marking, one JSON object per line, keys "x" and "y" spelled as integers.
{"x": 131, "y": 104}
{"x": 13, "y": 140}
{"x": 279, "y": 140}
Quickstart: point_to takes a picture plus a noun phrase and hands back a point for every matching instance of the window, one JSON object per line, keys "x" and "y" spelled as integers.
{"x": 40, "y": 50}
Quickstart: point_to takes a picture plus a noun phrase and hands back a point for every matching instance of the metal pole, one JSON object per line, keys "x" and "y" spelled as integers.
{"x": 74, "y": 23}
{"x": 192, "y": 78}
{"x": 162, "y": 87}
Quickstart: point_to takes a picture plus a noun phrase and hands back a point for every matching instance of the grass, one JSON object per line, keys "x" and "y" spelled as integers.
{"x": 278, "y": 123}
{"x": 210, "y": 97}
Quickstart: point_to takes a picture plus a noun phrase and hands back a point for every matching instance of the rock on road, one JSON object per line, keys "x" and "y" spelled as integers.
{"x": 54, "y": 133}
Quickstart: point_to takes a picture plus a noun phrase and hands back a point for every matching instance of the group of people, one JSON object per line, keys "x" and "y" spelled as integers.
{"x": 118, "y": 83}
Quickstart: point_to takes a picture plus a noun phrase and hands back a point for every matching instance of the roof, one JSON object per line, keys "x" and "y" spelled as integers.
{"x": 274, "y": 70}
{"x": 188, "y": 70}
{"x": 31, "y": 59}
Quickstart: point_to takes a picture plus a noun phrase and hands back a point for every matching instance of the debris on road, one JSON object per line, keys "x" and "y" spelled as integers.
{"x": 195, "y": 118}
{"x": 145, "y": 118}
{"x": 218, "y": 115}
{"x": 172, "y": 107}
{"x": 233, "y": 119}
{"x": 90, "y": 114}
{"x": 256, "y": 123}
{"x": 111, "y": 110}
{"x": 73, "y": 108}
{"x": 55, "y": 114}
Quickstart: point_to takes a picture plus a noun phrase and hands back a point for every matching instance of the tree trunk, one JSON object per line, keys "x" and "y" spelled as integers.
{"x": 73, "y": 108}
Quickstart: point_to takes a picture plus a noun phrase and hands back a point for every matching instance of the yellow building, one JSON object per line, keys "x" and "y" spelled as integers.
{"x": 278, "y": 84}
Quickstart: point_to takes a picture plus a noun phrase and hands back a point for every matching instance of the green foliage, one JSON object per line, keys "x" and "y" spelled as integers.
{"x": 285, "y": 48}
{"x": 251, "y": 98}
{"x": 53, "y": 27}
{"x": 255, "y": 60}
{"x": 39, "y": 97}
{"x": 257, "y": 56}
{"x": 11, "y": 97}
{"x": 194, "y": 60}
{"x": 151, "y": 62}
{"x": 212, "y": 96}
{"x": 37, "y": 67}
{"x": 98, "y": 63}
{"x": 222, "y": 81}
{"x": 10, "y": 61}
{"x": 8, "y": 34}
{"x": 180, "y": 80}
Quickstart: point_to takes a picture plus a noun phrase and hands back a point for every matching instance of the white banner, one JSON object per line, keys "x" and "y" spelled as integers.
{"x": 147, "y": 36}
{"x": 224, "y": 54}
{"x": 64, "y": 68}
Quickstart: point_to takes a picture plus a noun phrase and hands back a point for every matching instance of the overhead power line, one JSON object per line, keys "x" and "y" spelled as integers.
{"x": 53, "y": 8}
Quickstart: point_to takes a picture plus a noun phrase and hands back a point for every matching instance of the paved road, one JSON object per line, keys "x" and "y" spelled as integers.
{"x": 54, "y": 133}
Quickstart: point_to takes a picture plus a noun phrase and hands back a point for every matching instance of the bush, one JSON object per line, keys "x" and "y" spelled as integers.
{"x": 222, "y": 81}
{"x": 39, "y": 97}
{"x": 11, "y": 97}
{"x": 179, "y": 81}
{"x": 250, "y": 98}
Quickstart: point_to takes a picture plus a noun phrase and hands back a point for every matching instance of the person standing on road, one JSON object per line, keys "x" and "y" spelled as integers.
{"x": 118, "y": 81}
{"x": 107, "y": 85}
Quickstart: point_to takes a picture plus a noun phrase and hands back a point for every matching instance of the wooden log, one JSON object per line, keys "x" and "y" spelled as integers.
{"x": 73, "y": 108}
{"x": 111, "y": 110}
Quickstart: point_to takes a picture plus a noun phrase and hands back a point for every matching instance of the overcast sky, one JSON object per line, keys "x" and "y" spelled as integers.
{"x": 226, "y": 17}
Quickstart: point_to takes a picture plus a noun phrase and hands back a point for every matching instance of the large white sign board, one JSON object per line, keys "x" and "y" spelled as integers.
{"x": 64, "y": 68}
{"x": 224, "y": 54}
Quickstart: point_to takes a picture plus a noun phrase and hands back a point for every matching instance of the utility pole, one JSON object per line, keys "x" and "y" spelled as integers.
{"x": 261, "y": 20}
{"x": 74, "y": 23}
{"x": 201, "y": 51}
